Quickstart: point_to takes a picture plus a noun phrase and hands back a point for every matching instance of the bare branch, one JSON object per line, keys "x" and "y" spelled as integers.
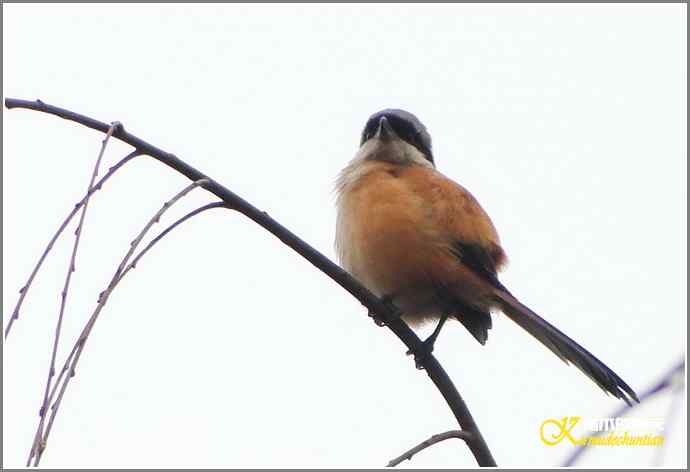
{"x": 131, "y": 265}
{"x": 201, "y": 209}
{"x": 664, "y": 383}
{"x": 677, "y": 389}
{"x": 95, "y": 188}
{"x": 385, "y": 312}
{"x": 435, "y": 439}
{"x": 38, "y": 444}
{"x": 78, "y": 348}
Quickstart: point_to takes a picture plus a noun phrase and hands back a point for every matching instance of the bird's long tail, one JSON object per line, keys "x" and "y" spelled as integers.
{"x": 564, "y": 347}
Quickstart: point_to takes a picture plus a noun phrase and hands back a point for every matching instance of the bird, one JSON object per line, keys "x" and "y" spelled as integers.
{"x": 423, "y": 243}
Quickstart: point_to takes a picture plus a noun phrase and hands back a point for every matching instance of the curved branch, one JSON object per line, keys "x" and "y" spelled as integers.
{"x": 661, "y": 385}
{"x": 131, "y": 265}
{"x": 94, "y": 189}
{"x": 38, "y": 444}
{"x": 208, "y": 206}
{"x": 385, "y": 312}
{"x": 435, "y": 439}
{"x": 677, "y": 398}
{"x": 78, "y": 348}
{"x": 68, "y": 366}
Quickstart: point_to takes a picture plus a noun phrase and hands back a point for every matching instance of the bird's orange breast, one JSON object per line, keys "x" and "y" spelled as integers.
{"x": 387, "y": 235}
{"x": 396, "y": 227}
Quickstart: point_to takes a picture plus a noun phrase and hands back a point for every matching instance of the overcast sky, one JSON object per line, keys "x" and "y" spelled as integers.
{"x": 224, "y": 348}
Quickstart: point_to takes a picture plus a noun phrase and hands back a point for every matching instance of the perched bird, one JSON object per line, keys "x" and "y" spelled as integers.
{"x": 422, "y": 242}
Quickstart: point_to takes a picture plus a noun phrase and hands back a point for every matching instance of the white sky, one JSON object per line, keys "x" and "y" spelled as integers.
{"x": 224, "y": 348}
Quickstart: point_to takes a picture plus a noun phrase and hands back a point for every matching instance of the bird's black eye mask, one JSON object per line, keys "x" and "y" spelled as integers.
{"x": 406, "y": 126}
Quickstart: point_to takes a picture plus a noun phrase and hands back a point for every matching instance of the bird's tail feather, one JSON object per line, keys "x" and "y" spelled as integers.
{"x": 565, "y": 348}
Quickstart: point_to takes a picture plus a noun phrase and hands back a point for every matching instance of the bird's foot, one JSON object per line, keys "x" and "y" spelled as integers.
{"x": 426, "y": 348}
{"x": 388, "y": 301}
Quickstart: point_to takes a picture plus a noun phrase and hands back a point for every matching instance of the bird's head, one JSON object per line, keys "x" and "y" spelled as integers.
{"x": 396, "y": 136}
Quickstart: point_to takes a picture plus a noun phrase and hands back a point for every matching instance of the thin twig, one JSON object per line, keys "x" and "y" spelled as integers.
{"x": 209, "y": 206}
{"x": 27, "y": 285}
{"x": 102, "y": 299}
{"x": 132, "y": 265}
{"x": 436, "y": 438}
{"x": 665, "y": 382}
{"x": 384, "y": 312}
{"x": 671, "y": 415}
{"x": 38, "y": 444}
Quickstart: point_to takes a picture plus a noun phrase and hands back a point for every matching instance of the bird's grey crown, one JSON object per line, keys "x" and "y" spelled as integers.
{"x": 406, "y": 126}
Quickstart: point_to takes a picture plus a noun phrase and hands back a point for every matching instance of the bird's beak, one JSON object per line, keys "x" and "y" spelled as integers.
{"x": 385, "y": 132}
